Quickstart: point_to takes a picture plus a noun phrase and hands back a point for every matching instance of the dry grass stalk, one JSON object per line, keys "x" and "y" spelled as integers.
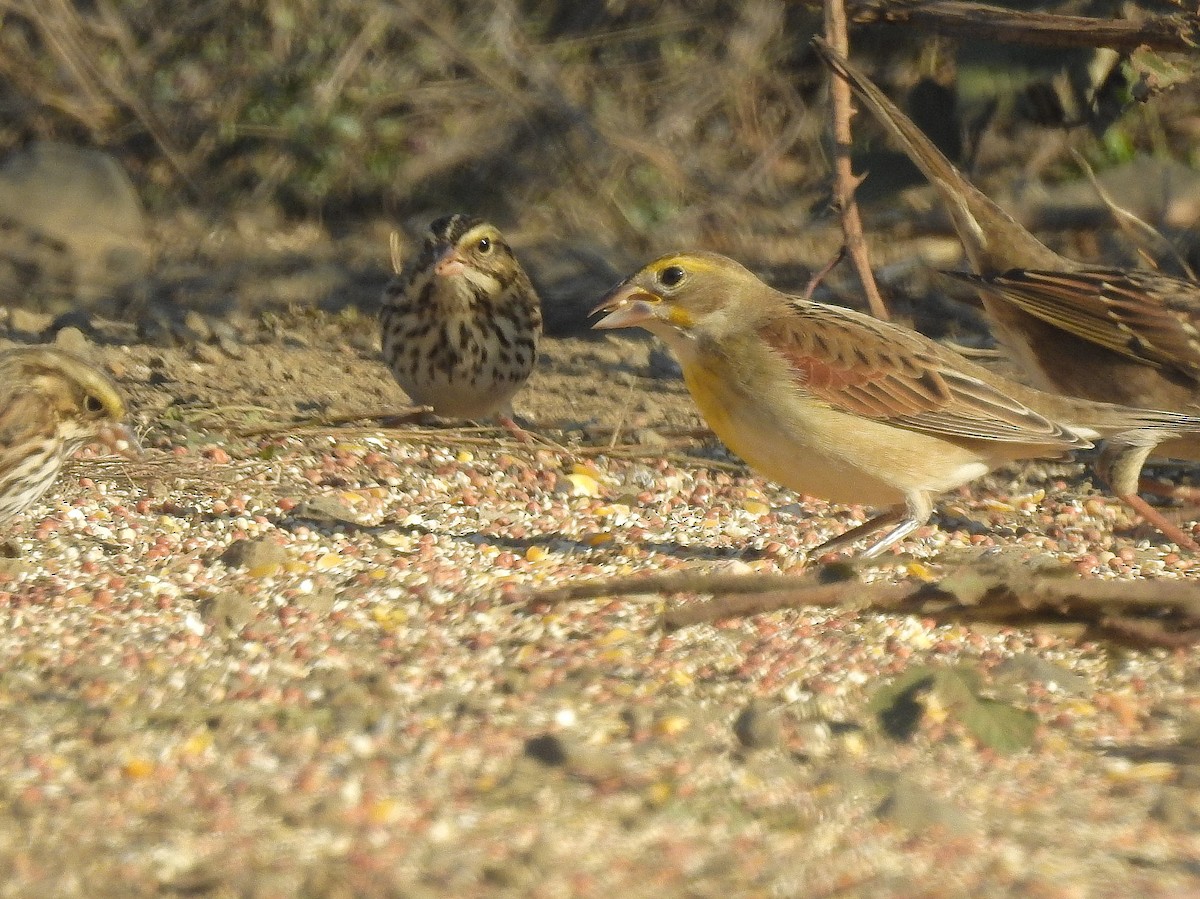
{"x": 844, "y": 181}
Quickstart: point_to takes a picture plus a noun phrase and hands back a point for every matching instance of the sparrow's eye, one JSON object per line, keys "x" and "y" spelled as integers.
{"x": 484, "y": 245}
{"x": 671, "y": 276}
{"x": 93, "y": 404}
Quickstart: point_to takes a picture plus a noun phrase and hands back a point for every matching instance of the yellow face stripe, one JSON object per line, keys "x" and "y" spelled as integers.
{"x": 680, "y": 318}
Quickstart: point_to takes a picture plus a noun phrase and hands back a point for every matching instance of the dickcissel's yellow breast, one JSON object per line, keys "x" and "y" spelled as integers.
{"x": 711, "y": 392}
{"x": 806, "y": 445}
{"x": 738, "y": 401}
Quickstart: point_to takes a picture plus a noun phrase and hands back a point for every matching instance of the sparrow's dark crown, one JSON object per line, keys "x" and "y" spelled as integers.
{"x": 450, "y": 228}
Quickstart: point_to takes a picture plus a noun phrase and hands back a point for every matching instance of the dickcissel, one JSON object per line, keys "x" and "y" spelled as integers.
{"x": 841, "y": 406}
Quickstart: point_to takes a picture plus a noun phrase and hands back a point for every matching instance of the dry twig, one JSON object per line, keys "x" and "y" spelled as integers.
{"x": 1149, "y": 612}
{"x": 844, "y": 181}
{"x": 1179, "y": 32}
{"x": 472, "y": 436}
{"x": 1149, "y": 241}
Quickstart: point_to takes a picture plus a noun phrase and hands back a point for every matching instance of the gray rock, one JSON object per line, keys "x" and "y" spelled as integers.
{"x": 208, "y": 353}
{"x": 23, "y": 321}
{"x": 227, "y": 612}
{"x": 757, "y": 727}
{"x": 914, "y": 808}
{"x": 228, "y": 339}
{"x": 197, "y": 325}
{"x": 569, "y": 278}
{"x": 318, "y": 602}
{"x": 325, "y": 509}
{"x": 1026, "y": 666}
{"x": 70, "y": 214}
{"x": 162, "y": 324}
{"x": 662, "y": 365}
{"x": 73, "y": 341}
{"x": 639, "y": 477}
{"x": 256, "y": 553}
{"x": 1163, "y": 192}
{"x": 647, "y": 437}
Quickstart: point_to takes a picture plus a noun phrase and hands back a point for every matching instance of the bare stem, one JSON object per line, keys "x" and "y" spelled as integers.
{"x": 844, "y": 181}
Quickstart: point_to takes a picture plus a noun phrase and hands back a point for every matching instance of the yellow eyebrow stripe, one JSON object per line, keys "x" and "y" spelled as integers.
{"x": 690, "y": 264}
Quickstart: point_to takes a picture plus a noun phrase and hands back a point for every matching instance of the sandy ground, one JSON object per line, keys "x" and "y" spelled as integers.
{"x": 290, "y": 655}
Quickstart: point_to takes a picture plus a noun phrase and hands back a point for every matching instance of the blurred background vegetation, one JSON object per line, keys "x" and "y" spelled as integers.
{"x": 351, "y": 108}
{"x": 627, "y": 122}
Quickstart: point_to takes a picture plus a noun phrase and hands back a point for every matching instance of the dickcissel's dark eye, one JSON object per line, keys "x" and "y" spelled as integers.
{"x": 484, "y": 245}
{"x": 671, "y": 276}
{"x": 93, "y": 404}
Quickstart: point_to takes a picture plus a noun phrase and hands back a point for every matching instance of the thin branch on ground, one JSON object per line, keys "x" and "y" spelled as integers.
{"x": 158, "y": 466}
{"x": 488, "y": 437}
{"x": 1158, "y": 612}
{"x": 690, "y": 581}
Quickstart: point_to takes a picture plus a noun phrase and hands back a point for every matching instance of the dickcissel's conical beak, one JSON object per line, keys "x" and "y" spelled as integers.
{"x": 627, "y": 306}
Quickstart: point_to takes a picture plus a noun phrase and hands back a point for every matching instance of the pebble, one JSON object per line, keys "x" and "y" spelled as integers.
{"x": 256, "y": 553}
{"x": 757, "y": 727}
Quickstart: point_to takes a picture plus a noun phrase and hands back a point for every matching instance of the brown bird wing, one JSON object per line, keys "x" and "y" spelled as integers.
{"x": 866, "y": 367}
{"x": 1143, "y": 315}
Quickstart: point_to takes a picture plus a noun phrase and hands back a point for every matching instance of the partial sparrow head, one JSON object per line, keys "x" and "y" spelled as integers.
{"x": 51, "y": 404}
{"x": 839, "y": 405}
{"x": 461, "y": 322}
